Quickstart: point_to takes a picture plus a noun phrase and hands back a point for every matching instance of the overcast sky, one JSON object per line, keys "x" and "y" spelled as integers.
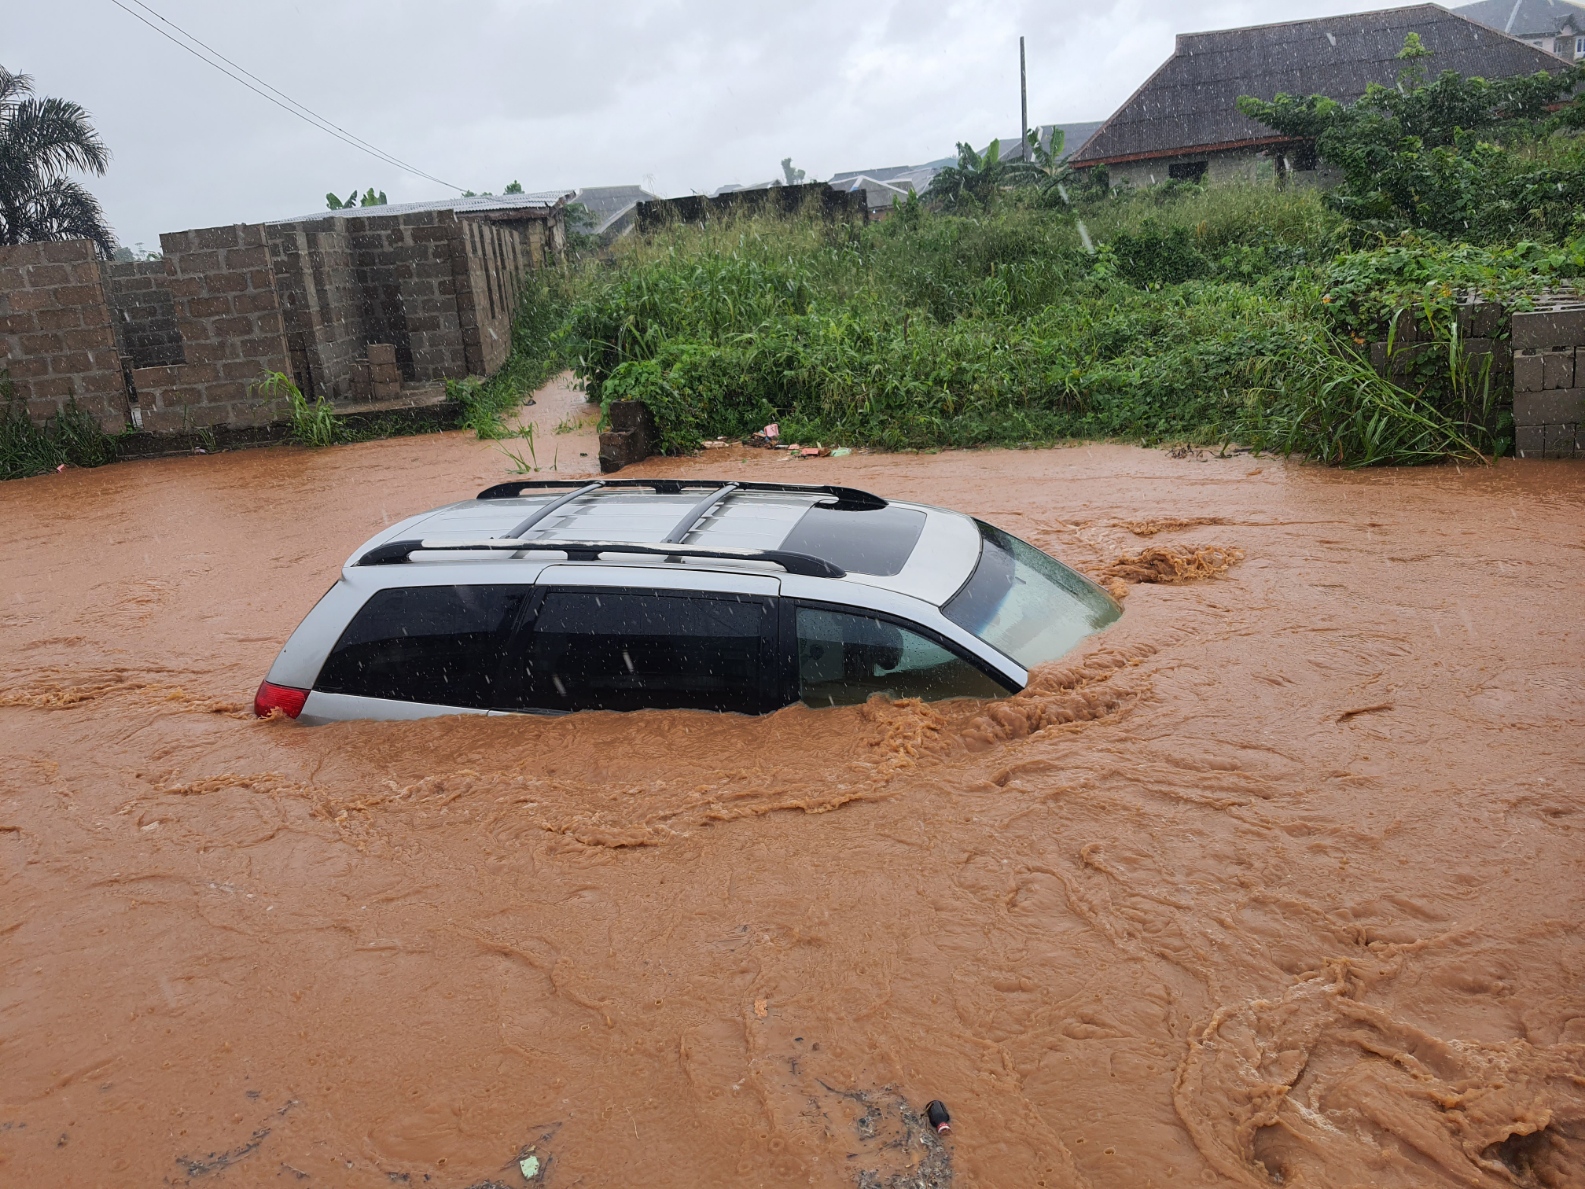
{"x": 679, "y": 96}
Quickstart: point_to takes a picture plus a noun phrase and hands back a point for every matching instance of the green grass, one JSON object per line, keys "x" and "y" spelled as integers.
{"x": 72, "y": 438}
{"x": 1206, "y": 315}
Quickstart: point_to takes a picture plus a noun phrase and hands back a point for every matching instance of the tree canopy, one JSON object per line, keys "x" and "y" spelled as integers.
{"x": 41, "y": 139}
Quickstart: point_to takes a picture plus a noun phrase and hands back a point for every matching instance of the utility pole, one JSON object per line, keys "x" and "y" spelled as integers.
{"x": 1023, "y": 103}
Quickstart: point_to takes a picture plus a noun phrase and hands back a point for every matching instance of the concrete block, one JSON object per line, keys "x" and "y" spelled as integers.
{"x": 28, "y": 368}
{"x": 1546, "y": 408}
{"x": 1549, "y": 328}
{"x": 48, "y": 276}
{"x": 40, "y": 344}
{"x": 87, "y": 338}
{"x": 197, "y": 263}
{"x": 1564, "y": 441}
{"x": 218, "y": 237}
{"x": 379, "y": 353}
{"x": 1528, "y": 371}
{"x": 246, "y": 259}
{"x": 226, "y": 282}
{"x": 1557, "y": 370}
{"x": 80, "y": 295}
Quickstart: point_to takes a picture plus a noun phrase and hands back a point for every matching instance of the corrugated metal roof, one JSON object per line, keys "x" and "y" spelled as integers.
{"x": 1191, "y": 101}
{"x": 542, "y": 200}
{"x": 1524, "y": 18}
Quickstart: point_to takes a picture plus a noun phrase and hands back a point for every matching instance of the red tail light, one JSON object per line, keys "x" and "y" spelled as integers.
{"x": 284, "y": 698}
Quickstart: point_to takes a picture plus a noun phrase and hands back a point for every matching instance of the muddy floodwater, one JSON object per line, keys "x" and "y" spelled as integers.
{"x": 1279, "y": 880}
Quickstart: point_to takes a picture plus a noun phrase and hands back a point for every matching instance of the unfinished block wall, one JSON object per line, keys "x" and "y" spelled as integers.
{"x": 144, "y": 313}
{"x": 407, "y": 288}
{"x": 1549, "y": 380}
{"x": 223, "y": 291}
{"x": 57, "y": 340}
{"x": 318, "y": 290}
{"x": 494, "y": 257}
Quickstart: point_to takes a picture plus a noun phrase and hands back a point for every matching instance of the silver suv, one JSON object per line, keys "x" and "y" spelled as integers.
{"x": 625, "y": 594}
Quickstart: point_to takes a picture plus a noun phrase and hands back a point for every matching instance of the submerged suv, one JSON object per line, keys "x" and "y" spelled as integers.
{"x": 548, "y": 597}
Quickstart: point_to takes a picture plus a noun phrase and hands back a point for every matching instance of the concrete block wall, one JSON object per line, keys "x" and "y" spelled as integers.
{"x": 407, "y": 290}
{"x": 144, "y": 313}
{"x": 57, "y": 338}
{"x": 318, "y": 291}
{"x": 1549, "y": 379}
{"x": 494, "y": 258}
{"x": 223, "y": 289}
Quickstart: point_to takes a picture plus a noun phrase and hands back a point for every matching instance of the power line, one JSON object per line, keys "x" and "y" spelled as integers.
{"x": 384, "y": 156}
{"x": 290, "y": 105}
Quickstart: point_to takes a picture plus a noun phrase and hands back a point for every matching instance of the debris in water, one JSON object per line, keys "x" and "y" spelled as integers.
{"x": 841, "y": 452}
{"x": 771, "y": 432}
{"x": 938, "y": 1116}
{"x": 1161, "y": 563}
{"x": 761, "y": 1008}
{"x": 529, "y": 1166}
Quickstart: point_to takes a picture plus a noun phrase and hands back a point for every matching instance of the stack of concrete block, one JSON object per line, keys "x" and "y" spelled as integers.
{"x": 1549, "y": 380}
{"x": 385, "y": 377}
{"x": 631, "y": 438}
{"x": 1414, "y": 345}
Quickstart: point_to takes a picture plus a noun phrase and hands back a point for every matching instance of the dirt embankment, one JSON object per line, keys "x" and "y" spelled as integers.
{"x": 1277, "y": 881}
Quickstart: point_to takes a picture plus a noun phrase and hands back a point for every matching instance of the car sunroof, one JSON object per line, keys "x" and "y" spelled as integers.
{"x": 876, "y": 541}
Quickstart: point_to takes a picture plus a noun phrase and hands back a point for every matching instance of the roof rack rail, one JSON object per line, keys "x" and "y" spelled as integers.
{"x": 394, "y": 553}
{"x": 848, "y": 499}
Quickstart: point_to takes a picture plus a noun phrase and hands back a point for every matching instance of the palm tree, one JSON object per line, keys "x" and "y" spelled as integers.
{"x": 40, "y": 139}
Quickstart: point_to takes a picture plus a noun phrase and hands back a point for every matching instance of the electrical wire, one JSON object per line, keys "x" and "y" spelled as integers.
{"x": 290, "y": 105}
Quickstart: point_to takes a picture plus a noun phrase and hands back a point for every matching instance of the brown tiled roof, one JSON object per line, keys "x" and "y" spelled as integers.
{"x": 1190, "y": 104}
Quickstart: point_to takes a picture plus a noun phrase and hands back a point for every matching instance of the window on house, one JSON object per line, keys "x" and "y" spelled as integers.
{"x": 1187, "y": 171}
{"x": 1302, "y": 157}
{"x": 1579, "y": 47}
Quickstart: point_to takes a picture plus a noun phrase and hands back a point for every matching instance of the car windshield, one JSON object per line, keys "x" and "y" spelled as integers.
{"x": 1026, "y": 603}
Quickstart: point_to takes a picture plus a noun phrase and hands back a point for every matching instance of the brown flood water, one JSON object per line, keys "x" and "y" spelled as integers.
{"x": 1279, "y": 881}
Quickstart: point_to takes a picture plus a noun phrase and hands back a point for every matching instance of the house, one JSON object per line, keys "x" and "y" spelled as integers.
{"x": 1551, "y": 25}
{"x": 891, "y": 185}
{"x": 614, "y": 209}
{"x": 1184, "y": 121}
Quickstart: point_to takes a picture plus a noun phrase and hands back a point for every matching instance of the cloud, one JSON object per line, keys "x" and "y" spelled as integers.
{"x": 684, "y": 96}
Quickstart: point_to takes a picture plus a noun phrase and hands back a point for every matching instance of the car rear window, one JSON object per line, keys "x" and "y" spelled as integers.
{"x": 875, "y": 541}
{"x": 1025, "y": 603}
{"x": 434, "y": 644}
{"x": 610, "y": 650}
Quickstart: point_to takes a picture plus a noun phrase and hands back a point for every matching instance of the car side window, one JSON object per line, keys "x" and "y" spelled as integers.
{"x": 435, "y": 644}
{"x": 624, "y": 650}
{"x": 845, "y": 658}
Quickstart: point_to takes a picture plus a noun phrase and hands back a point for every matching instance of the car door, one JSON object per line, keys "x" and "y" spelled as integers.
{"x": 641, "y": 638}
{"x": 845, "y": 655}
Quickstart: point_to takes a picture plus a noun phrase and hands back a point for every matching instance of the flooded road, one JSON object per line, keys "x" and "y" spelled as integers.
{"x": 1277, "y": 881}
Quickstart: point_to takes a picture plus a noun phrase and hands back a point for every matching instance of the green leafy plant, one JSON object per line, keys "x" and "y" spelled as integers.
{"x": 313, "y": 424}
{"x": 71, "y": 437}
{"x": 41, "y": 140}
{"x": 1464, "y": 157}
{"x": 353, "y": 200}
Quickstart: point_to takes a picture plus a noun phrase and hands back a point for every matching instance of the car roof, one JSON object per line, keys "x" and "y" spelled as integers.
{"x": 914, "y": 549}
